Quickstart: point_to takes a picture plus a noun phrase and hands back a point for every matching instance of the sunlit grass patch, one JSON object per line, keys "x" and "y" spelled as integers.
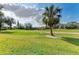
{"x": 36, "y": 42}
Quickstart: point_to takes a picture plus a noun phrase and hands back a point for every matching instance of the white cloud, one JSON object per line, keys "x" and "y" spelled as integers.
{"x": 23, "y": 10}
{"x": 25, "y": 13}
{"x": 9, "y": 14}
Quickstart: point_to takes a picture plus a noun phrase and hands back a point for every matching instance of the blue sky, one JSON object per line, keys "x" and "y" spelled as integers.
{"x": 30, "y": 12}
{"x": 70, "y": 11}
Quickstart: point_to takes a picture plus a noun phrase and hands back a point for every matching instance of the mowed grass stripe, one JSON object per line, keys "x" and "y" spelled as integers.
{"x": 36, "y": 42}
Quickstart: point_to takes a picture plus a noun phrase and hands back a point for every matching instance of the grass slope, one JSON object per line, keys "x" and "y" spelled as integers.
{"x": 33, "y": 42}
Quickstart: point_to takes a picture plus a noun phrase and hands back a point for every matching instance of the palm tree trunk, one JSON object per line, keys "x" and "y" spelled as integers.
{"x": 51, "y": 32}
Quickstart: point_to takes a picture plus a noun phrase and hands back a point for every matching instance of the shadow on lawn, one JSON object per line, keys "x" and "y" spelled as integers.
{"x": 74, "y": 41}
{"x": 6, "y": 32}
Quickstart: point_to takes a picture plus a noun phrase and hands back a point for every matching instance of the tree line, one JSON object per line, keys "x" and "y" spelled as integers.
{"x": 70, "y": 25}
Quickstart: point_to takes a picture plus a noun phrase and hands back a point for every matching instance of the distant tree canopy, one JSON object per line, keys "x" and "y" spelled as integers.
{"x": 9, "y": 21}
{"x": 69, "y": 25}
{"x": 28, "y": 26}
{"x": 19, "y": 25}
{"x": 72, "y": 25}
{"x": 1, "y": 16}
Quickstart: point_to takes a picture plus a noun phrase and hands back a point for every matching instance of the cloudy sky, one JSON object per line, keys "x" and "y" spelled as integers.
{"x": 32, "y": 12}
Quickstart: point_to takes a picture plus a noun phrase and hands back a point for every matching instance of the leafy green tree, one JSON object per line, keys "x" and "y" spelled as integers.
{"x": 1, "y": 16}
{"x": 28, "y": 26}
{"x": 51, "y": 16}
{"x": 10, "y": 21}
{"x": 19, "y": 25}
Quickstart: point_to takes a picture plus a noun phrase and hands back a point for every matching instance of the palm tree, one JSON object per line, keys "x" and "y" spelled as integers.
{"x": 45, "y": 21}
{"x": 51, "y": 16}
{"x": 9, "y": 21}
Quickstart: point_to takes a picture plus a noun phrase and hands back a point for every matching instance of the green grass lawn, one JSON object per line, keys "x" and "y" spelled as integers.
{"x": 35, "y": 42}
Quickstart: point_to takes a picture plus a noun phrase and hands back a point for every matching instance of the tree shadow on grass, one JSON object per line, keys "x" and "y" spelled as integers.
{"x": 6, "y": 32}
{"x": 74, "y": 41}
